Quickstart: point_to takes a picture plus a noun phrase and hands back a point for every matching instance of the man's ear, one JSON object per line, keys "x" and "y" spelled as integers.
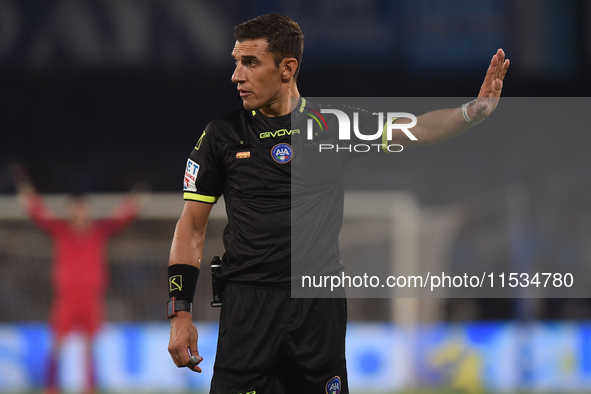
{"x": 289, "y": 66}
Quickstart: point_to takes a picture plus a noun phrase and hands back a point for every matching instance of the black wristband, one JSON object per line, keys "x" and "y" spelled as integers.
{"x": 182, "y": 281}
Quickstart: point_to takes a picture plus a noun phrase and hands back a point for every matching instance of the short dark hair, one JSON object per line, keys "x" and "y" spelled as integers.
{"x": 284, "y": 36}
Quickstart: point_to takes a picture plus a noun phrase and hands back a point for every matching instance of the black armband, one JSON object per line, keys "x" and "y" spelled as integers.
{"x": 182, "y": 281}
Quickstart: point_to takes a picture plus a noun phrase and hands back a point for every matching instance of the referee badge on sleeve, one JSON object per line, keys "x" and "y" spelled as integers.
{"x": 190, "y": 176}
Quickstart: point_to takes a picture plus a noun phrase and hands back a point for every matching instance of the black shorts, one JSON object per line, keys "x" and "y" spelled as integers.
{"x": 270, "y": 343}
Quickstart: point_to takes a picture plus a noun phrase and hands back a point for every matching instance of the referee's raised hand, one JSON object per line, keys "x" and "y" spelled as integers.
{"x": 490, "y": 91}
{"x": 183, "y": 342}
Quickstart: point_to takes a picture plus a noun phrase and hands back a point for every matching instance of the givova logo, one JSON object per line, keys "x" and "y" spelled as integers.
{"x": 278, "y": 133}
{"x": 333, "y": 386}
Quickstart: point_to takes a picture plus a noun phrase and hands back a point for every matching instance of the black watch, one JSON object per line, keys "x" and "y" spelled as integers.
{"x": 173, "y": 306}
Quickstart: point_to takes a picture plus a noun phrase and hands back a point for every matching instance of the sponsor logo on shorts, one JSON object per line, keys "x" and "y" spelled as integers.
{"x": 175, "y": 282}
{"x": 191, "y": 172}
{"x": 282, "y": 153}
{"x": 242, "y": 155}
{"x": 333, "y": 386}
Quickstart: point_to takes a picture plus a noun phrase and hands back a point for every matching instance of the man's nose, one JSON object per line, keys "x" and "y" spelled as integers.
{"x": 238, "y": 75}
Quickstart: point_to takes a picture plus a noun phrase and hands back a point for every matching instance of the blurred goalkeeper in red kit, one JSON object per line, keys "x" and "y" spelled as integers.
{"x": 79, "y": 271}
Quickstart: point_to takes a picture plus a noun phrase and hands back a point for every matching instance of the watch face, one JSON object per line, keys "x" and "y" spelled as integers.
{"x": 170, "y": 308}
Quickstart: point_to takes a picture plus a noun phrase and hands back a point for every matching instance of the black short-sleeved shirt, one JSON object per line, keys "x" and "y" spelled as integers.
{"x": 284, "y": 198}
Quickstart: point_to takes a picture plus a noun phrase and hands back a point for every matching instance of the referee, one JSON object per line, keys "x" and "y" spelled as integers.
{"x": 268, "y": 341}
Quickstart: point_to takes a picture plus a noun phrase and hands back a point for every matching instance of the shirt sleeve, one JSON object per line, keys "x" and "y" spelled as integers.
{"x": 203, "y": 180}
{"x": 40, "y": 215}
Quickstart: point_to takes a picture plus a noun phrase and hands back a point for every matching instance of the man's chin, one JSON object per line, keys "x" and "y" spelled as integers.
{"x": 250, "y": 105}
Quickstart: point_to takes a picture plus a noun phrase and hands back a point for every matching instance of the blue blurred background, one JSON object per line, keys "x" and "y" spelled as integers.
{"x": 97, "y": 95}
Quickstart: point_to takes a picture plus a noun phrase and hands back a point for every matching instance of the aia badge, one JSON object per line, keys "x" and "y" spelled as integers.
{"x": 282, "y": 153}
{"x": 333, "y": 386}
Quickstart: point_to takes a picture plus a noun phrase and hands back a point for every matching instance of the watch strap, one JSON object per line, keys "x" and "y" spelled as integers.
{"x": 465, "y": 113}
{"x": 174, "y": 306}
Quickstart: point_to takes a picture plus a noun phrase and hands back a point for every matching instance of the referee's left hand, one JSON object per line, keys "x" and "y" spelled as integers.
{"x": 183, "y": 341}
{"x": 490, "y": 91}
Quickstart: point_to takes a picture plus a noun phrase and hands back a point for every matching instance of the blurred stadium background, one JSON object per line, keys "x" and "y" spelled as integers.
{"x": 98, "y": 95}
